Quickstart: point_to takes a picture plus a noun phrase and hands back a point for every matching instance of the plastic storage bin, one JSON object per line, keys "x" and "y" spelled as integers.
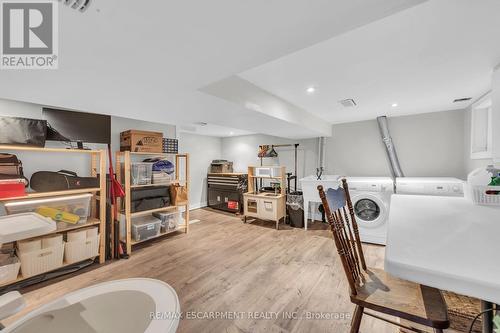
{"x": 78, "y": 205}
{"x": 80, "y": 250}
{"x": 169, "y": 221}
{"x": 41, "y": 261}
{"x": 145, "y": 227}
{"x": 141, "y": 173}
{"x": 9, "y": 269}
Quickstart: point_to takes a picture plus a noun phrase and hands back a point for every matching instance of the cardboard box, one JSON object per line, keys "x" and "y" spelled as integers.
{"x": 221, "y": 167}
{"x": 141, "y": 141}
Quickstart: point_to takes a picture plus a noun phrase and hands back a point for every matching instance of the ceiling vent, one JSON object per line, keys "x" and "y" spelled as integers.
{"x": 348, "y": 103}
{"x": 465, "y": 99}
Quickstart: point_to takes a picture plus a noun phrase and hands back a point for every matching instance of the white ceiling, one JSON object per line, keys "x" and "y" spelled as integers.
{"x": 249, "y": 96}
{"x": 212, "y": 130}
{"x": 147, "y": 60}
{"x": 421, "y": 58}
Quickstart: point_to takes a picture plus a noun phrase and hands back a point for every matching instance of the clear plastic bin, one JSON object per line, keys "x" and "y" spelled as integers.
{"x": 81, "y": 250}
{"x": 78, "y": 205}
{"x": 141, "y": 173}
{"x": 169, "y": 221}
{"x": 41, "y": 261}
{"x": 145, "y": 227}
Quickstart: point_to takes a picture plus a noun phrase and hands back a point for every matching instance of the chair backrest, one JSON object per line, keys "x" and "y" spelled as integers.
{"x": 340, "y": 215}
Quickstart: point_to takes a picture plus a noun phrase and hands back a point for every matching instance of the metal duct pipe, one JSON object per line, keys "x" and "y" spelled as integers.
{"x": 389, "y": 146}
{"x": 321, "y": 157}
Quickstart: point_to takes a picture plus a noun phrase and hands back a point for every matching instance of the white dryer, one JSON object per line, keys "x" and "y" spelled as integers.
{"x": 440, "y": 186}
{"x": 371, "y": 198}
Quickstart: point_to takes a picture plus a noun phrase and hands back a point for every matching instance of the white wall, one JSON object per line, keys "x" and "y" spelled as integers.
{"x": 355, "y": 149}
{"x": 429, "y": 144}
{"x": 242, "y": 150}
{"x": 495, "y": 115}
{"x": 119, "y": 124}
{"x": 202, "y": 150}
{"x": 471, "y": 164}
{"x": 76, "y": 162}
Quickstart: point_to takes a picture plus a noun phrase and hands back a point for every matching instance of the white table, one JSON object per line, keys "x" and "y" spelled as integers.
{"x": 446, "y": 243}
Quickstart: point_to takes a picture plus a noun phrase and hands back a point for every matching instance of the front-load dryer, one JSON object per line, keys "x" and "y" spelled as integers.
{"x": 371, "y": 198}
{"x": 439, "y": 186}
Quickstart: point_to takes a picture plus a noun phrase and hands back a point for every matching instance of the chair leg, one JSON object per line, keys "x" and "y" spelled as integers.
{"x": 356, "y": 319}
{"x": 437, "y": 330}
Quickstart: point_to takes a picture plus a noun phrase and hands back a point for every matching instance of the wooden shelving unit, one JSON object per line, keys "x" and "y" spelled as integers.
{"x": 123, "y": 168}
{"x": 97, "y": 206}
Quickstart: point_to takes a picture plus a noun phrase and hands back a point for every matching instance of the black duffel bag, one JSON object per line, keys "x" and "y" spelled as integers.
{"x": 45, "y": 181}
{"x": 23, "y": 131}
{"x": 147, "y": 198}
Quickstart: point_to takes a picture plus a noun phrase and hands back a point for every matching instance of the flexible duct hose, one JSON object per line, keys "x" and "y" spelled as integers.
{"x": 389, "y": 146}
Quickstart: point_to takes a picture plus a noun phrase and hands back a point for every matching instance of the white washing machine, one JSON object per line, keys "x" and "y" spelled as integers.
{"x": 439, "y": 186}
{"x": 371, "y": 198}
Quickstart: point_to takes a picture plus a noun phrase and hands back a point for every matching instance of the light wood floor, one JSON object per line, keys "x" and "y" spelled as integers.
{"x": 225, "y": 265}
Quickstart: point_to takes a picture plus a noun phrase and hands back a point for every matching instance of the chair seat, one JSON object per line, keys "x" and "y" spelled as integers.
{"x": 404, "y": 299}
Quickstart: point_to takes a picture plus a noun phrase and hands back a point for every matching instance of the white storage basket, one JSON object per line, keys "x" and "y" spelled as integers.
{"x": 41, "y": 261}
{"x": 10, "y": 271}
{"x": 81, "y": 250}
{"x": 480, "y": 195}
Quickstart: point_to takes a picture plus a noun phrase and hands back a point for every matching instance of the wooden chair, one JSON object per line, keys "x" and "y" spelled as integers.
{"x": 374, "y": 289}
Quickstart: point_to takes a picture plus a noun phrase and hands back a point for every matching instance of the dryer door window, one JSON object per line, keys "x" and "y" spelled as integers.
{"x": 367, "y": 210}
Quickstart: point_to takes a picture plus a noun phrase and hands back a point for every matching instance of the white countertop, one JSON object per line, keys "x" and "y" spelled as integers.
{"x": 446, "y": 243}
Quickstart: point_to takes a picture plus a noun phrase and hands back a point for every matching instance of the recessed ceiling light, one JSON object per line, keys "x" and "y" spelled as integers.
{"x": 311, "y": 90}
{"x": 394, "y": 105}
{"x": 231, "y": 133}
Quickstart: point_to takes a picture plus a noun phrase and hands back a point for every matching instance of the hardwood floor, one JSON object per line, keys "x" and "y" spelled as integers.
{"x": 225, "y": 265}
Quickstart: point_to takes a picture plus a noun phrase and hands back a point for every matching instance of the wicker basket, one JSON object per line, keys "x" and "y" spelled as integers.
{"x": 81, "y": 250}
{"x": 10, "y": 270}
{"x": 461, "y": 312}
{"x": 41, "y": 261}
{"x": 480, "y": 195}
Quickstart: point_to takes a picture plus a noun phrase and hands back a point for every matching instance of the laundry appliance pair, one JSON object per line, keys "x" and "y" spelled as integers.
{"x": 371, "y": 199}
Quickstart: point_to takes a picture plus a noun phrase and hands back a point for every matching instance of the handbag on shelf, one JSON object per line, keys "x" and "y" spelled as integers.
{"x": 12, "y": 168}
{"x": 178, "y": 194}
